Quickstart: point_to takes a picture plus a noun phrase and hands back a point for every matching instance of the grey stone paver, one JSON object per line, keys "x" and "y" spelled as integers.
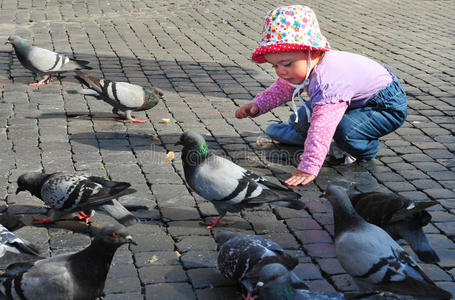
{"x": 198, "y": 53}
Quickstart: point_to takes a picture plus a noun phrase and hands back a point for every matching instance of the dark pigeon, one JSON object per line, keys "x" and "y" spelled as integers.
{"x": 372, "y": 257}
{"x": 400, "y": 217}
{"x": 276, "y": 282}
{"x": 228, "y": 186}
{"x": 77, "y": 276}
{"x": 241, "y": 257}
{"x": 122, "y": 96}
{"x": 68, "y": 192}
{"x": 43, "y": 62}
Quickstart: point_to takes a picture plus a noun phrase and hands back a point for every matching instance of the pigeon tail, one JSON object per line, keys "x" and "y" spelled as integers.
{"x": 415, "y": 237}
{"x": 115, "y": 209}
{"x": 28, "y": 248}
{"x": 294, "y": 204}
{"x": 88, "y": 92}
{"x": 91, "y": 81}
{"x": 416, "y": 207}
{"x": 75, "y": 64}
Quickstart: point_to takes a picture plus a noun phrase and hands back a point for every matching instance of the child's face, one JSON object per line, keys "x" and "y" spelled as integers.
{"x": 290, "y": 66}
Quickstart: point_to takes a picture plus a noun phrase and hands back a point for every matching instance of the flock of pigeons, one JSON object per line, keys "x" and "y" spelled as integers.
{"x": 366, "y": 224}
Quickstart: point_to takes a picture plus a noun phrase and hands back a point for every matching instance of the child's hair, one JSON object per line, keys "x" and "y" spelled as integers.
{"x": 290, "y": 28}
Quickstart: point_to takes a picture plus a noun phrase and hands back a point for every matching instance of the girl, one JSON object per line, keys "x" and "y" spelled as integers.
{"x": 353, "y": 99}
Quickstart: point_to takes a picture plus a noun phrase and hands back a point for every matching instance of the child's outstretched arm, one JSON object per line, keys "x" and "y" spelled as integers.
{"x": 324, "y": 121}
{"x": 278, "y": 93}
{"x": 248, "y": 110}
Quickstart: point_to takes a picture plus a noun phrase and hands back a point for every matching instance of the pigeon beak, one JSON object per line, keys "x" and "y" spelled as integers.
{"x": 259, "y": 284}
{"x": 19, "y": 189}
{"x": 296, "y": 282}
{"x": 7, "y": 42}
{"x": 178, "y": 143}
{"x": 130, "y": 240}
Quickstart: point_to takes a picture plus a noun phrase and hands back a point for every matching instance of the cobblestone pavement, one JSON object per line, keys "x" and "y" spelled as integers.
{"x": 198, "y": 53}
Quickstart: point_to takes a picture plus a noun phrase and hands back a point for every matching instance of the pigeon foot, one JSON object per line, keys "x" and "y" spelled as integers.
{"x": 85, "y": 217}
{"x": 43, "y": 81}
{"x": 121, "y": 116}
{"x": 132, "y": 120}
{"x": 48, "y": 79}
{"x": 137, "y": 121}
{"x": 42, "y": 221}
{"x": 39, "y": 83}
{"x": 214, "y": 223}
{"x": 249, "y": 297}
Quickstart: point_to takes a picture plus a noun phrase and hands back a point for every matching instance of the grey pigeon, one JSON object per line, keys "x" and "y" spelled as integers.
{"x": 400, "y": 217}
{"x": 372, "y": 257}
{"x": 228, "y": 186}
{"x": 73, "y": 276}
{"x": 276, "y": 282}
{"x": 68, "y": 192}
{"x": 241, "y": 257}
{"x": 121, "y": 95}
{"x": 43, "y": 62}
{"x": 9, "y": 242}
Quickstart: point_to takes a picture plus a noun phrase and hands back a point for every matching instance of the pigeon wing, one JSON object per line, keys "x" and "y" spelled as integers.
{"x": 219, "y": 179}
{"x": 71, "y": 191}
{"x": 240, "y": 253}
{"x": 46, "y": 61}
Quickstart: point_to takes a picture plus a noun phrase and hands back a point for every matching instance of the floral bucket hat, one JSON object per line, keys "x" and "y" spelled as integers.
{"x": 290, "y": 28}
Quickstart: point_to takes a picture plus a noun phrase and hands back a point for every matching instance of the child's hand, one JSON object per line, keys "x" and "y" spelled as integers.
{"x": 300, "y": 178}
{"x": 247, "y": 110}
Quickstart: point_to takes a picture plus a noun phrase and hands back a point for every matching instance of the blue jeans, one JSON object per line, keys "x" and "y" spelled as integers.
{"x": 359, "y": 129}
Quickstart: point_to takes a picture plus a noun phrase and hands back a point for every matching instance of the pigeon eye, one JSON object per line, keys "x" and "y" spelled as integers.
{"x": 115, "y": 234}
{"x": 186, "y": 138}
{"x": 273, "y": 277}
{"x": 13, "y": 39}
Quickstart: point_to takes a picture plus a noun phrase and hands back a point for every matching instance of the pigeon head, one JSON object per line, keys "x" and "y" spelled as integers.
{"x": 344, "y": 213}
{"x": 194, "y": 147}
{"x": 223, "y": 236}
{"x": 31, "y": 182}
{"x": 191, "y": 139}
{"x": 338, "y": 196}
{"x": 154, "y": 95}
{"x": 16, "y": 41}
{"x": 114, "y": 235}
{"x": 275, "y": 281}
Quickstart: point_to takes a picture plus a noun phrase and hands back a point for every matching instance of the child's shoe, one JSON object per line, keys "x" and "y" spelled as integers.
{"x": 337, "y": 153}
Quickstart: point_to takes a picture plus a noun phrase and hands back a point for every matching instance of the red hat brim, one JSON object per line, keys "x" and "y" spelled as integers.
{"x": 258, "y": 54}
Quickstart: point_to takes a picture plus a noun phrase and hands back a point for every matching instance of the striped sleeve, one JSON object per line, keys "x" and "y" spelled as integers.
{"x": 324, "y": 121}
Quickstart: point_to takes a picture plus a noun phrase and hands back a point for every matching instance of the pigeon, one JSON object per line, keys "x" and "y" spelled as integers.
{"x": 241, "y": 257}
{"x": 228, "y": 186}
{"x": 372, "y": 257}
{"x": 400, "y": 217}
{"x": 68, "y": 192}
{"x": 276, "y": 282}
{"x": 121, "y": 95}
{"x": 43, "y": 62}
{"x": 78, "y": 276}
{"x": 9, "y": 242}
